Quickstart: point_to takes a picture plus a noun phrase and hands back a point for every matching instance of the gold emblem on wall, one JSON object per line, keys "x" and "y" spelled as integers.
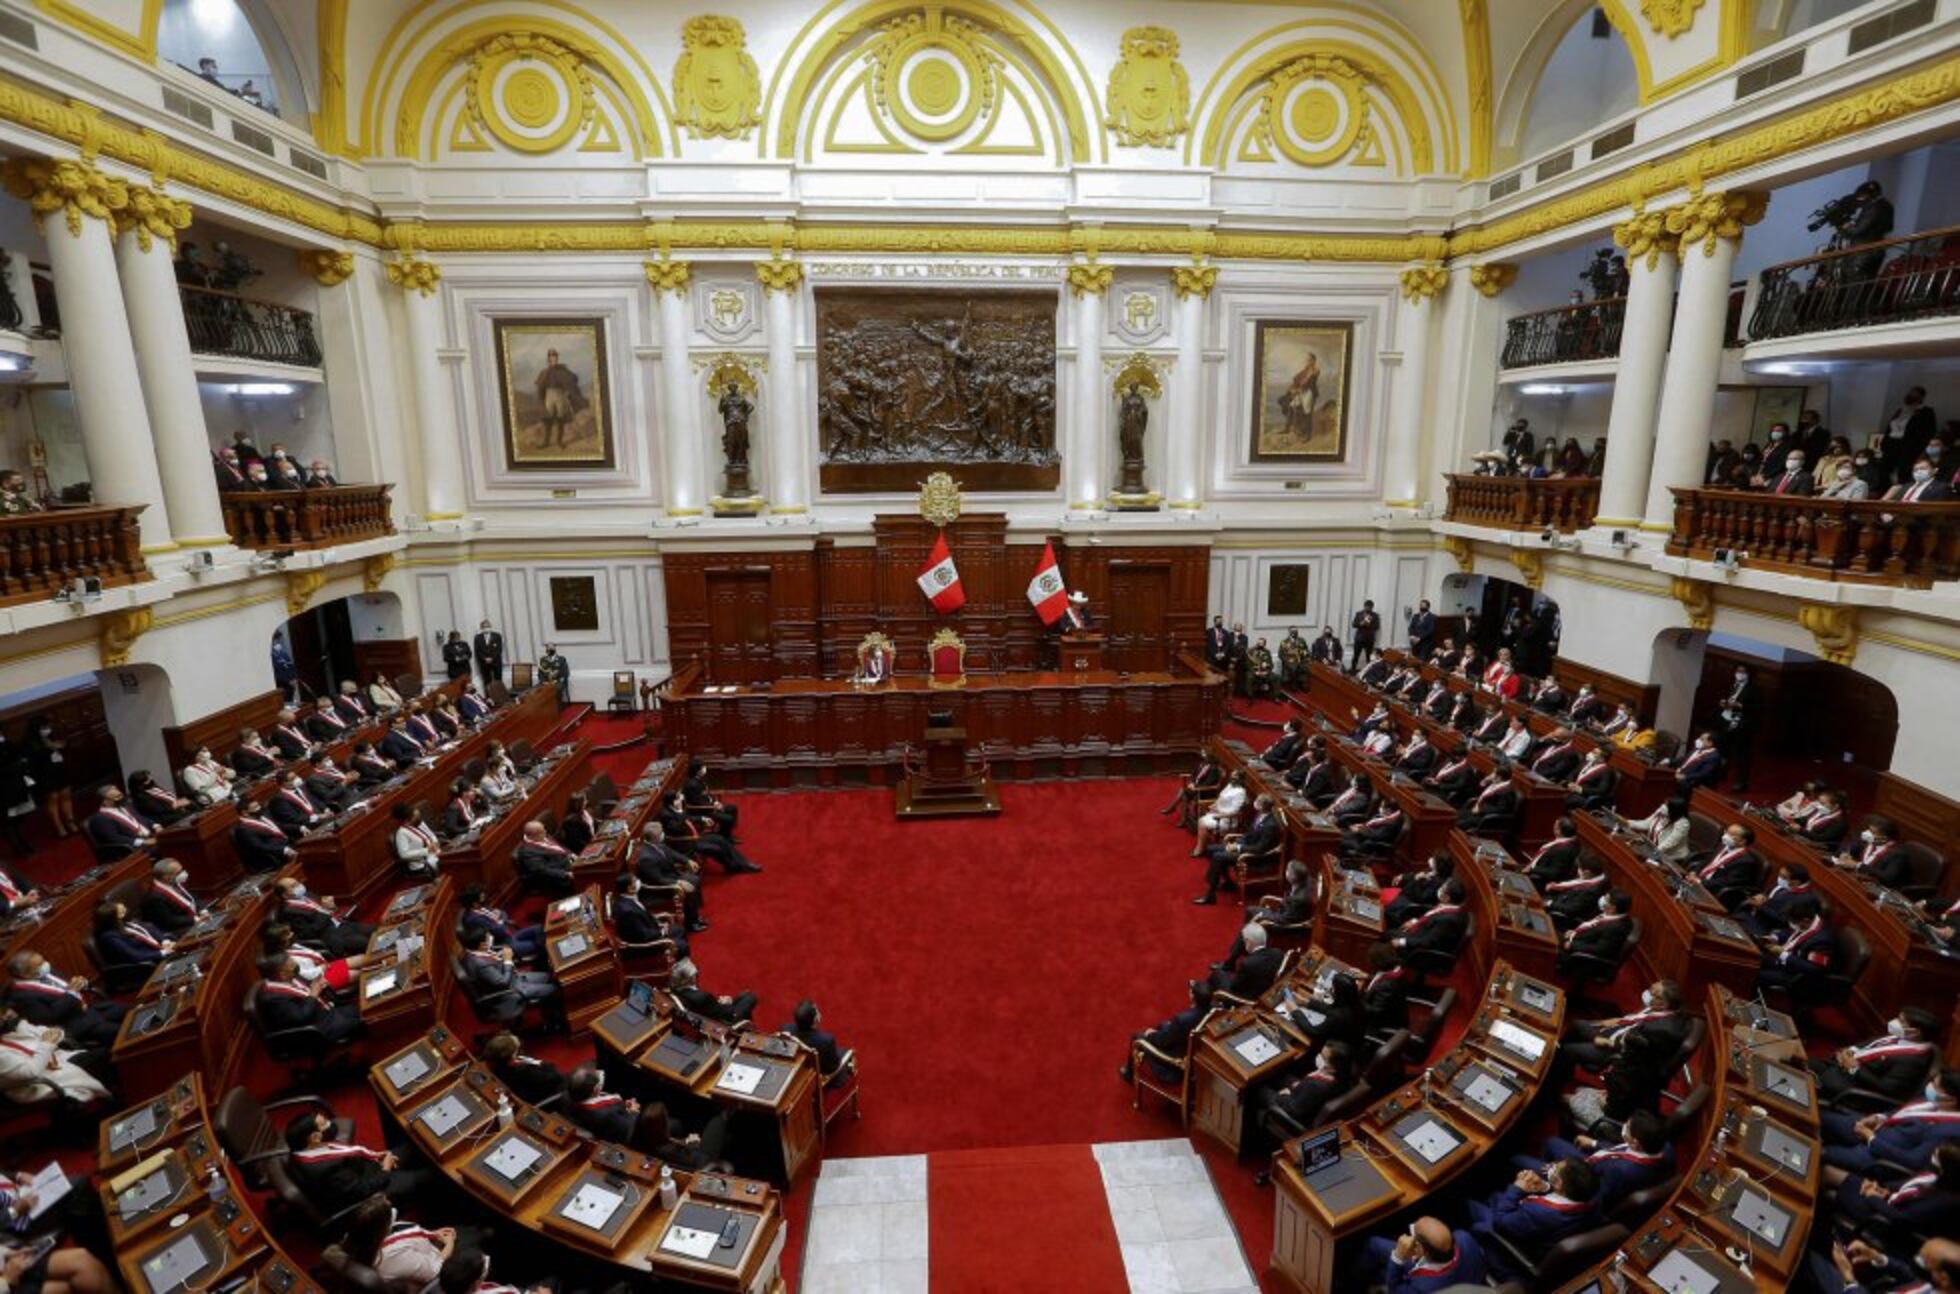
{"x": 530, "y": 92}
{"x": 1315, "y": 114}
{"x": 717, "y": 88}
{"x": 1670, "y": 17}
{"x": 119, "y": 632}
{"x": 939, "y": 499}
{"x": 932, "y": 75}
{"x": 1149, "y": 93}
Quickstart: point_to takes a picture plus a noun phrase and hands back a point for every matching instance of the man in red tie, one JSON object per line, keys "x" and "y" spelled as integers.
{"x": 1795, "y": 480}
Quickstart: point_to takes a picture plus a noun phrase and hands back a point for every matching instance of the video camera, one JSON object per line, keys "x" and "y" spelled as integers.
{"x": 1836, "y": 213}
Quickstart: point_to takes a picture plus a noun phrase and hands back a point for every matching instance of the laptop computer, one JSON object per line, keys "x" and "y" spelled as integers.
{"x": 1321, "y": 1160}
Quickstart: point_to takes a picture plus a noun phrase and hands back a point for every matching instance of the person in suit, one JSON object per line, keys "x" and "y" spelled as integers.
{"x": 1536, "y": 1211}
{"x": 491, "y": 970}
{"x": 1292, "y": 908}
{"x": 1895, "y": 1064}
{"x": 578, "y": 827}
{"x": 1495, "y": 806}
{"x": 1314, "y": 775}
{"x": 1594, "y": 785}
{"x": 370, "y": 768}
{"x": 465, "y": 811}
{"x": 115, "y": 830}
{"x": 1556, "y": 859}
{"x": 123, "y": 941}
{"x": 293, "y": 807}
{"x": 42, "y": 997}
{"x": 1639, "y": 1161}
{"x": 1237, "y": 656}
{"x": 608, "y": 1116}
{"x": 316, "y": 969}
{"x": 261, "y": 843}
{"x": 834, "y": 1064}
{"x": 1326, "y": 648}
{"x": 1332, "y": 1012}
{"x": 686, "y": 987}
{"x": 1261, "y": 836}
{"x": 1418, "y": 757}
{"x": 1658, "y": 1026}
{"x": 555, "y": 671}
{"x": 15, "y": 892}
{"x": 1576, "y": 898}
{"x": 168, "y": 904}
{"x": 253, "y": 757}
{"x": 401, "y": 746}
{"x": 1363, "y": 628}
{"x": 479, "y": 914}
{"x": 315, "y": 920}
{"x": 658, "y": 864}
{"x": 1736, "y": 870}
{"x": 1603, "y": 935}
{"x": 1767, "y": 916}
{"x": 1517, "y": 743}
{"x": 1586, "y": 706}
{"x": 1422, "y": 631}
{"x": 1827, "y": 822}
{"x": 332, "y": 788}
{"x": 1907, "y": 1136}
{"x": 1897, "y": 1209}
{"x": 1419, "y": 890}
{"x": 1385, "y": 993}
{"x": 1880, "y": 856}
{"x": 471, "y": 707}
{"x": 156, "y": 802}
{"x": 1701, "y": 765}
{"x": 1547, "y": 695}
{"x": 634, "y": 924}
{"x": 1924, "y": 485}
{"x": 1376, "y": 673}
{"x": 353, "y": 708}
{"x": 1903, "y": 437}
{"x": 1202, "y": 785}
{"x": 1367, "y": 725}
{"x": 1492, "y": 727}
{"x": 1735, "y": 730}
{"x": 1455, "y": 779}
{"x": 1255, "y": 969}
{"x": 337, "y": 1175}
{"x": 36, "y": 1067}
{"x": 455, "y": 656}
{"x": 1171, "y": 1037}
{"x": 692, "y": 837}
{"x": 208, "y": 781}
{"x": 1792, "y": 480}
{"x": 530, "y": 1079}
{"x": 1559, "y": 760}
{"x": 702, "y": 803}
{"x": 1355, "y": 804}
{"x": 488, "y": 649}
{"x": 318, "y": 476}
{"x": 1439, "y": 930}
{"x": 1804, "y": 960}
{"x": 542, "y": 861}
{"x": 225, "y": 468}
{"x": 1301, "y": 1100}
{"x": 1218, "y": 643}
{"x": 1280, "y": 755}
{"x": 286, "y": 737}
{"x": 325, "y": 723}
{"x": 1427, "y": 1258}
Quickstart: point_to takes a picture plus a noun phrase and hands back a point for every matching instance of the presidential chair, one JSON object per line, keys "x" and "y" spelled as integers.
{"x": 622, "y": 699}
{"x": 877, "y": 657}
{"x": 946, "y": 659}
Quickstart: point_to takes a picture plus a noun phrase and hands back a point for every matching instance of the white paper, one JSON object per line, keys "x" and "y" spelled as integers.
{"x": 1256, "y": 1049}
{"x": 378, "y": 984}
{"x": 740, "y": 1079}
{"x": 48, "y": 1185}
{"x": 567, "y": 905}
{"x": 1522, "y": 1041}
{"x": 513, "y": 1157}
{"x": 690, "y": 1243}
{"x": 593, "y": 1206}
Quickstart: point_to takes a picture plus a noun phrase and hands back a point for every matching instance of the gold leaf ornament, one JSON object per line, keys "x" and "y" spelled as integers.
{"x": 328, "y": 269}
{"x": 1421, "y": 282}
{"x": 1645, "y": 238}
{"x": 411, "y": 275}
{"x": 1090, "y": 278}
{"x": 153, "y": 215}
{"x": 529, "y": 91}
{"x": 668, "y": 276}
{"x": 1149, "y": 90}
{"x": 1493, "y": 277}
{"x": 717, "y": 88}
{"x": 778, "y": 275}
{"x": 939, "y": 499}
{"x": 1709, "y": 216}
{"x": 75, "y": 189}
{"x": 1696, "y": 598}
{"x": 1670, "y": 18}
{"x": 119, "y": 632}
{"x": 1313, "y": 110}
{"x": 1834, "y": 626}
{"x": 1194, "y": 280}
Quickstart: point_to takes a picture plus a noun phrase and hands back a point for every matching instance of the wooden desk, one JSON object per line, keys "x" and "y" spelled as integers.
{"x": 1522, "y": 933}
{"x": 1308, "y": 832}
{"x": 1685, "y": 937}
{"x": 1221, "y": 1073}
{"x": 582, "y": 956}
{"x": 485, "y": 856}
{"x": 403, "y": 998}
{"x": 1351, "y": 911}
{"x": 202, "y": 843}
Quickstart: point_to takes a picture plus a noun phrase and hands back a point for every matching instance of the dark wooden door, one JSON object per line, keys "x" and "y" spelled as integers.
{"x": 1139, "y": 600}
{"x": 738, "y": 627}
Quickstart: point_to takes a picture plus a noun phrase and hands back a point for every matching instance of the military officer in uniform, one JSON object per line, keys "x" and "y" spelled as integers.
{"x": 556, "y": 671}
{"x": 1293, "y": 658}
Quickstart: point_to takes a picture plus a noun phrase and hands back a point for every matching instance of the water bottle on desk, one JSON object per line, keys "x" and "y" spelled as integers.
{"x": 670, "y": 1193}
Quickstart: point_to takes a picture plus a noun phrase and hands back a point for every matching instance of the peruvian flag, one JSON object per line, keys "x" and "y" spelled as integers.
{"x": 939, "y": 580}
{"x": 1046, "y": 590}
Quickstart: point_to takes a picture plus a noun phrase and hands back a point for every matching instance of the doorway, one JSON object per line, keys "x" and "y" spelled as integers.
{"x": 739, "y": 649}
{"x": 322, "y": 644}
{"x": 1139, "y": 603}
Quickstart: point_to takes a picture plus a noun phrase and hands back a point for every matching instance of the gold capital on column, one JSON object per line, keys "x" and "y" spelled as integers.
{"x": 668, "y": 275}
{"x": 153, "y": 214}
{"x": 1421, "y": 282}
{"x": 411, "y": 275}
{"x": 1091, "y": 278}
{"x": 329, "y": 269}
{"x": 75, "y": 189}
{"x": 1645, "y": 238}
{"x": 778, "y": 275}
{"x": 1492, "y": 278}
{"x": 1193, "y": 280}
{"x": 1696, "y": 598}
{"x": 1709, "y": 216}
{"x": 1834, "y": 626}
{"x": 119, "y": 632}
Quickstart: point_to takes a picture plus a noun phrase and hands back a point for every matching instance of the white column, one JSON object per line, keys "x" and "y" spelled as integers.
{"x": 76, "y": 203}
{"x": 1083, "y": 465}
{"x": 680, "y": 406}
{"x": 1710, "y": 230}
{"x": 1184, "y": 439}
{"x": 1402, "y": 461}
{"x": 442, "y": 476}
{"x": 361, "y": 361}
{"x": 1463, "y": 369}
{"x": 789, "y": 457}
{"x": 1652, "y": 266}
{"x": 163, "y": 360}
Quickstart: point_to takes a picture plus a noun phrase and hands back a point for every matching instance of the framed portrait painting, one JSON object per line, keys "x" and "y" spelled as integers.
{"x": 1300, "y": 391}
{"x": 556, "y": 394}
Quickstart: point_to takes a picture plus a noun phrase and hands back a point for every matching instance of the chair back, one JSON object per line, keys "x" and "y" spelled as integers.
{"x": 522, "y": 675}
{"x": 947, "y": 655}
{"x": 1385, "y": 1069}
{"x": 244, "y": 1130}
{"x": 408, "y": 686}
{"x": 1925, "y": 867}
{"x": 1439, "y": 1013}
{"x": 498, "y": 694}
{"x": 1704, "y": 833}
{"x": 523, "y": 753}
{"x": 623, "y": 682}
{"x": 1641, "y": 1205}
{"x": 1684, "y": 1114}
{"x": 1578, "y": 1251}
{"x": 280, "y": 1180}
{"x": 1857, "y": 955}
{"x": 1344, "y": 1106}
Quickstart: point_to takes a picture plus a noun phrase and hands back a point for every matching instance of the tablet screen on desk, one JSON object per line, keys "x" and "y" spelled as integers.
{"x": 1778, "y": 1081}
{"x": 592, "y": 1206}
{"x": 573, "y": 945}
{"x": 376, "y": 985}
{"x": 445, "y": 1116}
{"x": 127, "y": 1132}
{"x": 1429, "y": 1138}
{"x": 1486, "y": 1093}
{"x": 513, "y": 1158}
{"x": 1781, "y": 1148}
{"x": 144, "y": 1195}
{"x": 1320, "y": 1150}
{"x": 1762, "y": 1218}
{"x": 175, "y": 1265}
{"x": 1367, "y": 909}
{"x": 1679, "y": 1274}
{"x": 1537, "y": 997}
{"x": 1520, "y": 1040}
{"x": 406, "y": 1069}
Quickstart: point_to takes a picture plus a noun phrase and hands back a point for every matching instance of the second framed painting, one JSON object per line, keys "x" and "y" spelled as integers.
{"x": 556, "y": 396}
{"x": 1300, "y": 400}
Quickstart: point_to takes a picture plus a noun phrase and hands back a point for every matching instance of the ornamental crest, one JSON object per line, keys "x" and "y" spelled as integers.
{"x": 725, "y": 309}
{"x": 1149, "y": 92}
{"x": 1141, "y": 318}
{"x": 717, "y": 89}
{"x": 939, "y": 499}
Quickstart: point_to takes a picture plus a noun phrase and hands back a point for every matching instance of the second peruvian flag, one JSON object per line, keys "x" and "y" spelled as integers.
{"x": 940, "y": 579}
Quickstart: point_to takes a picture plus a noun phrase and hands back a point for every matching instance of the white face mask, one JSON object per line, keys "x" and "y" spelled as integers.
{"x": 1604, "y": 906}
{"x": 1922, "y": 473}
{"x": 1646, "y": 997}
{"x": 299, "y": 891}
{"x": 1932, "y": 1091}
{"x": 1795, "y": 463}
{"x": 1896, "y": 1028}
{"x": 1776, "y": 435}
{"x": 1845, "y": 474}
{"x": 1865, "y": 836}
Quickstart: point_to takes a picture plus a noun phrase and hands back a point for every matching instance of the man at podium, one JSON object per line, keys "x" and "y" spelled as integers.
{"x": 1076, "y": 617}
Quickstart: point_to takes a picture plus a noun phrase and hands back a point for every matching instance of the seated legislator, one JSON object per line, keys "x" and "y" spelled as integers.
{"x": 698, "y": 800}
{"x": 405, "y": 1255}
{"x": 1660, "y": 1021}
{"x": 1356, "y": 803}
{"x": 286, "y": 1001}
{"x": 1892, "y": 1066}
{"x": 691, "y": 835}
{"x": 1767, "y": 916}
{"x": 491, "y": 970}
{"x": 124, "y": 942}
{"x": 1463, "y": 715}
{"x": 1879, "y": 857}
{"x": 1171, "y": 1037}
{"x": 1490, "y": 728}
{"x": 634, "y": 924}
{"x": 1280, "y": 755}
{"x": 1603, "y": 935}
{"x": 1596, "y": 782}
{"x": 370, "y": 766}
{"x": 1332, "y": 1012}
{"x": 608, "y": 1116}
{"x": 1795, "y": 809}
{"x": 1667, "y": 829}
{"x": 1201, "y": 786}
{"x": 1223, "y": 814}
{"x": 834, "y": 1064}
{"x": 1586, "y": 706}
{"x": 1292, "y": 908}
{"x": 471, "y": 707}
{"x": 686, "y": 987}
{"x": 1736, "y": 870}
{"x": 400, "y": 745}
{"x": 1547, "y": 694}
{"x": 43, "y": 997}
{"x": 465, "y": 811}
{"x": 534, "y": 1081}
{"x": 1425, "y": 1259}
{"x": 252, "y": 758}
{"x": 208, "y": 781}
{"x": 337, "y": 1175}
{"x": 1253, "y": 970}
{"x": 1380, "y": 744}
{"x": 1806, "y": 958}
{"x": 1625, "y": 1168}
{"x": 1420, "y": 890}
{"x": 15, "y": 892}
{"x": 415, "y": 718}
{"x": 315, "y": 920}
{"x": 1557, "y": 858}
{"x": 1301, "y": 1100}
{"x": 1576, "y": 898}
{"x": 542, "y": 862}
{"x": 1313, "y": 774}
{"x": 115, "y": 829}
{"x": 1375, "y": 720}
{"x": 351, "y": 706}
{"x": 1439, "y": 930}
{"x": 293, "y": 807}
{"x": 1907, "y": 1136}
{"x": 660, "y": 864}
{"x": 1418, "y": 757}
{"x": 1700, "y": 766}
{"x": 441, "y": 718}
{"x": 1827, "y": 824}
{"x": 1385, "y": 993}
{"x": 1536, "y": 1211}
{"x": 578, "y": 828}
{"x": 1262, "y": 836}
{"x": 478, "y": 913}
{"x": 1454, "y": 780}
{"x": 35, "y": 1067}
{"x": 261, "y": 843}
{"x": 277, "y": 941}
{"x": 286, "y": 737}
{"x": 325, "y": 722}
{"x": 499, "y": 782}
{"x": 157, "y": 802}
{"x": 1495, "y": 806}
{"x": 698, "y": 1152}
{"x": 334, "y": 788}
{"x": 416, "y": 846}
{"x": 1559, "y": 760}
{"x": 1897, "y": 1209}
{"x": 1517, "y": 743}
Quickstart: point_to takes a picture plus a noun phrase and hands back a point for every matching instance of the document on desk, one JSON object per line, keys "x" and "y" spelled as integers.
{"x": 1255, "y": 1049}
{"x": 1487, "y": 1093}
{"x": 407, "y": 1069}
{"x": 740, "y": 1078}
{"x": 593, "y": 1206}
{"x": 47, "y": 1187}
{"x": 444, "y": 1116}
{"x": 513, "y": 1159}
{"x": 1523, "y": 1041}
{"x": 564, "y": 906}
{"x": 689, "y": 1243}
{"x": 376, "y": 985}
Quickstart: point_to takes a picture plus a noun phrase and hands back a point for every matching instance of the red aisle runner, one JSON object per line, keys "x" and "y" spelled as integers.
{"x": 1025, "y": 1220}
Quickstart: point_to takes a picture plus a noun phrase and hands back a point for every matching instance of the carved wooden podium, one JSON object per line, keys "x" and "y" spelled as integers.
{"x": 1082, "y": 651}
{"x": 945, "y": 783}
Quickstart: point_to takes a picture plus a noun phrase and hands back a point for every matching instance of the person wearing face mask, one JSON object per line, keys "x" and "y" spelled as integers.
{"x": 1923, "y": 485}
{"x": 1735, "y": 733}
{"x": 1826, "y": 458}
{"x": 1660, "y": 1024}
{"x": 157, "y": 802}
{"x": 316, "y": 921}
{"x": 1287, "y": 1111}
{"x": 167, "y": 902}
{"x": 1843, "y": 482}
{"x": 1418, "y": 890}
{"x": 1537, "y": 1211}
{"x": 1736, "y": 870}
{"x": 336, "y": 1175}
{"x": 1827, "y": 823}
{"x": 1793, "y": 480}
{"x": 1772, "y": 464}
{"x": 1767, "y": 916}
{"x": 124, "y": 942}
{"x": 1576, "y": 899}
{"x": 1332, "y": 1013}
{"x": 404, "y": 1255}
{"x": 1700, "y": 765}
{"x": 1426, "y": 1258}
{"x": 1878, "y": 856}
{"x": 256, "y": 479}
{"x": 70, "y": 1004}
{"x": 208, "y": 781}
{"x": 1907, "y": 1136}
{"x": 1640, "y": 1161}
{"x": 1594, "y": 785}
{"x": 1601, "y": 935}
{"x": 1897, "y": 1209}
{"x": 1895, "y": 1064}
{"x": 1903, "y": 437}
{"x": 54, "y": 779}
{"x": 1802, "y": 962}
{"x": 115, "y": 829}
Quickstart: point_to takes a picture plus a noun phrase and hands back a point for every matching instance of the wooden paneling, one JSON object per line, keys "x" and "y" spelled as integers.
{"x": 393, "y": 657}
{"x": 1611, "y": 688}
{"x": 1923, "y": 815}
{"x": 219, "y": 729}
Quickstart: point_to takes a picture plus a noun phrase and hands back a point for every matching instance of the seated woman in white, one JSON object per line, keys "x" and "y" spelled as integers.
{"x": 34, "y": 1068}
{"x": 382, "y": 695}
{"x": 1224, "y": 813}
{"x": 1666, "y": 828}
{"x": 499, "y": 781}
{"x": 207, "y": 780}
{"x": 416, "y": 846}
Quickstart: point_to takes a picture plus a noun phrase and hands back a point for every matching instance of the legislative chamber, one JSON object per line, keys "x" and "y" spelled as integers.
{"x": 979, "y": 647}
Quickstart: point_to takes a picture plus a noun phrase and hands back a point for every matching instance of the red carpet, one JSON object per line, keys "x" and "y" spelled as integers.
{"x": 1032, "y": 1220}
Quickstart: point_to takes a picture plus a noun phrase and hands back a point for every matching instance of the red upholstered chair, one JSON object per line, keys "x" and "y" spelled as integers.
{"x": 947, "y": 655}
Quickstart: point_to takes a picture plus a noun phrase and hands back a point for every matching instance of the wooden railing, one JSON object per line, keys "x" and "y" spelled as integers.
{"x": 1869, "y": 541}
{"x": 321, "y": 518}
{"x": 1896, "y": 281}
{"x": 1520, "y": 503}
{"x": 41, "y": 551}
{"x": 1564, "y": 335}
{"x": 224, "y": 323}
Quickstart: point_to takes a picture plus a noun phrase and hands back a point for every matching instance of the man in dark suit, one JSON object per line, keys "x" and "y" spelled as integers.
{"x": 1895, "y": 1064}
{"x": 1281, "y": 753}
{"x": 1904, "y": 435}
{"x": 1602, "y": 935}
{"x": 1793, "y": 480}
{"x": 286, "y": 737}
{"x": 261, "y": 843}
{"x": 1700, "y": 766}
{"x": 1261, "y": 837}
{"x": 1326, "y": 648}
{"x": 331, "y": 788}
{"x": 1586, "y": 706}
{"x": 488, "y": 648}
{"x": 662, "y": 865}
{"x": 1735, "y": 732}
{"x": 1923, "y": 485}
{"x": 1658, "y": 1027}
{"x": 400, "y": 745}
{"x": 1535, "y": 1212}
{"x": 686, "y": 988}
{"x": 529, "y": 1078}
{"x": 252, "y": 757}
{"x": 478, "y": 914}
{"x": 1879, "y": 855}
{"x": 1418, "y": 757}
{"x": 115, "y": 829}
{"x": 542, "y": 861}
{"x": 1556, "y": 858}
{"x": 293, "y": 808}
{"x": 351, "y": 706}
{"x": 1255, "y": 970}
{"x": 1827, "y": 824}
{"x": 1363, "y": 628}
{"x": 224, "y": 465}
{"x": 1173, "y": 1036}
{"x": 286, "y": 1001}
{"x": 1767, "y": 916}
{"x": 1419, "y": 890}
{"x": 1594, "y": 785}
{"x": 337, "y": 1175}
{"x": 371, "y": 768}
{"x": 1380, "y": 830}
{"x": 1441, "y": 929}
{"x": 1560, "y": 758}
{"x": 1736, "y": 870}
{"x": 1313, "y": 776}
{"x": 1635, "y": 1164}
{"x": 1573, "y": 900}
{"x": 1422, "y": 631}
{"x": 315, "y": 921}
{"x": 1218, "y": 643}
{"x": 834, "y": 1064}
{"x": 69, "y": 1004}
{"x": 633, "y": 924}
{"x": 1496, "y": 805}
{"x": 492, "y": 970}
{"x": 168, "y": 903}
{"x": 606, "y": 1115}
{"x": 1455, "y": 780}
{"x": 1801, "y": 963}
{"x": 456, "y": 656}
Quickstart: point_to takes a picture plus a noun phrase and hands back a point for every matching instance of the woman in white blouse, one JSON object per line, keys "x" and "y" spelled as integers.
{"x": 416, "y": 846}
{"x": 404, "y": 1255}
{"x": 206, "y": 779}
{"x": 1224, "y": 812}
{"x": 1666, "y": 829}
{"x": 499, "y": 780}
{"x": 383, "y": 696}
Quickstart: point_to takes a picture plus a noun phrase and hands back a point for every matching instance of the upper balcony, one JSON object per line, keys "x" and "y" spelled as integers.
{"x": 231, "y": 326}
{"x": 1563, "y": 504}
{"x": 1895, "y": 298}
{"x": 1582, "y": 334}
{"x": 1876, "y": 541}
{"x": 317, "y": 518}
{"x": 42, "y": 553}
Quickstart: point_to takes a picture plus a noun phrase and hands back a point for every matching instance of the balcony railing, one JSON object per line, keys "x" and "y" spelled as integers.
{"x": 342, "y": 514}
{"x": 1871, "y": 541}
{"x": 41, "y": 551}
{"x": 1520, "y": 503}
{"x": 1565, "y": 335}
{"x": 1896, "y": 281}
{"x": 224, "y": 323}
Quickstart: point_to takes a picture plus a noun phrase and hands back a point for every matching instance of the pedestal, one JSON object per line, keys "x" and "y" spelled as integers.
{"x": 946, "y": 783}
{"x": 1082, "y": 651}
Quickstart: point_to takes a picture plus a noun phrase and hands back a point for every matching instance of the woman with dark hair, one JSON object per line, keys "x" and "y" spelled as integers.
{"x": 1666, "y": 829}
{"x": 1333, "y": 1013}
{"x": 1203, "y": 785}
{"x": 578, "y": 828}
{"x": 406, "y": 1256}
{"x": 47, "y": 764}
{"x": 155, "y": 801}
{"x": 277, "y": 940}
{"x": 124, "y": 941}
{"x": 666, "y": 1139}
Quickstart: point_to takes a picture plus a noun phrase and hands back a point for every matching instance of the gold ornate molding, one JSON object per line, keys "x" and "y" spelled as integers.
{"x": 1421, "y": 282}
{"x": 1090, "y": 278}
{"x": 717, "y": 88}
{"x": 300, "y": 588}
{"x": 1149, "y": 91}
{"x": 328, "y": 269}
{"x": 153, "y": 215}
{"x": 1834, "y": 626}
{"x": 1459, "y": 548}
{"x": 119, "y": 632}
{"x": 411, "y": 275}
{"x": 75, "y": 189}
{"x": 1645, "y": 238}
{"x": 668, "y": 275}
{"x": 1194, "y": 280}
{"x": 1696, "y": 598}
{"x": 1492, "y": 277}
{"x": 1476, "y": 60}
{"x": 727, "y": 367}
{"x": 1707, "y": 217}
{"x": 778, "y": 275}
{"x": 1531, "y": 564}
{"x": 1670, "y": 17}
{"x": 375, "y": 569}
